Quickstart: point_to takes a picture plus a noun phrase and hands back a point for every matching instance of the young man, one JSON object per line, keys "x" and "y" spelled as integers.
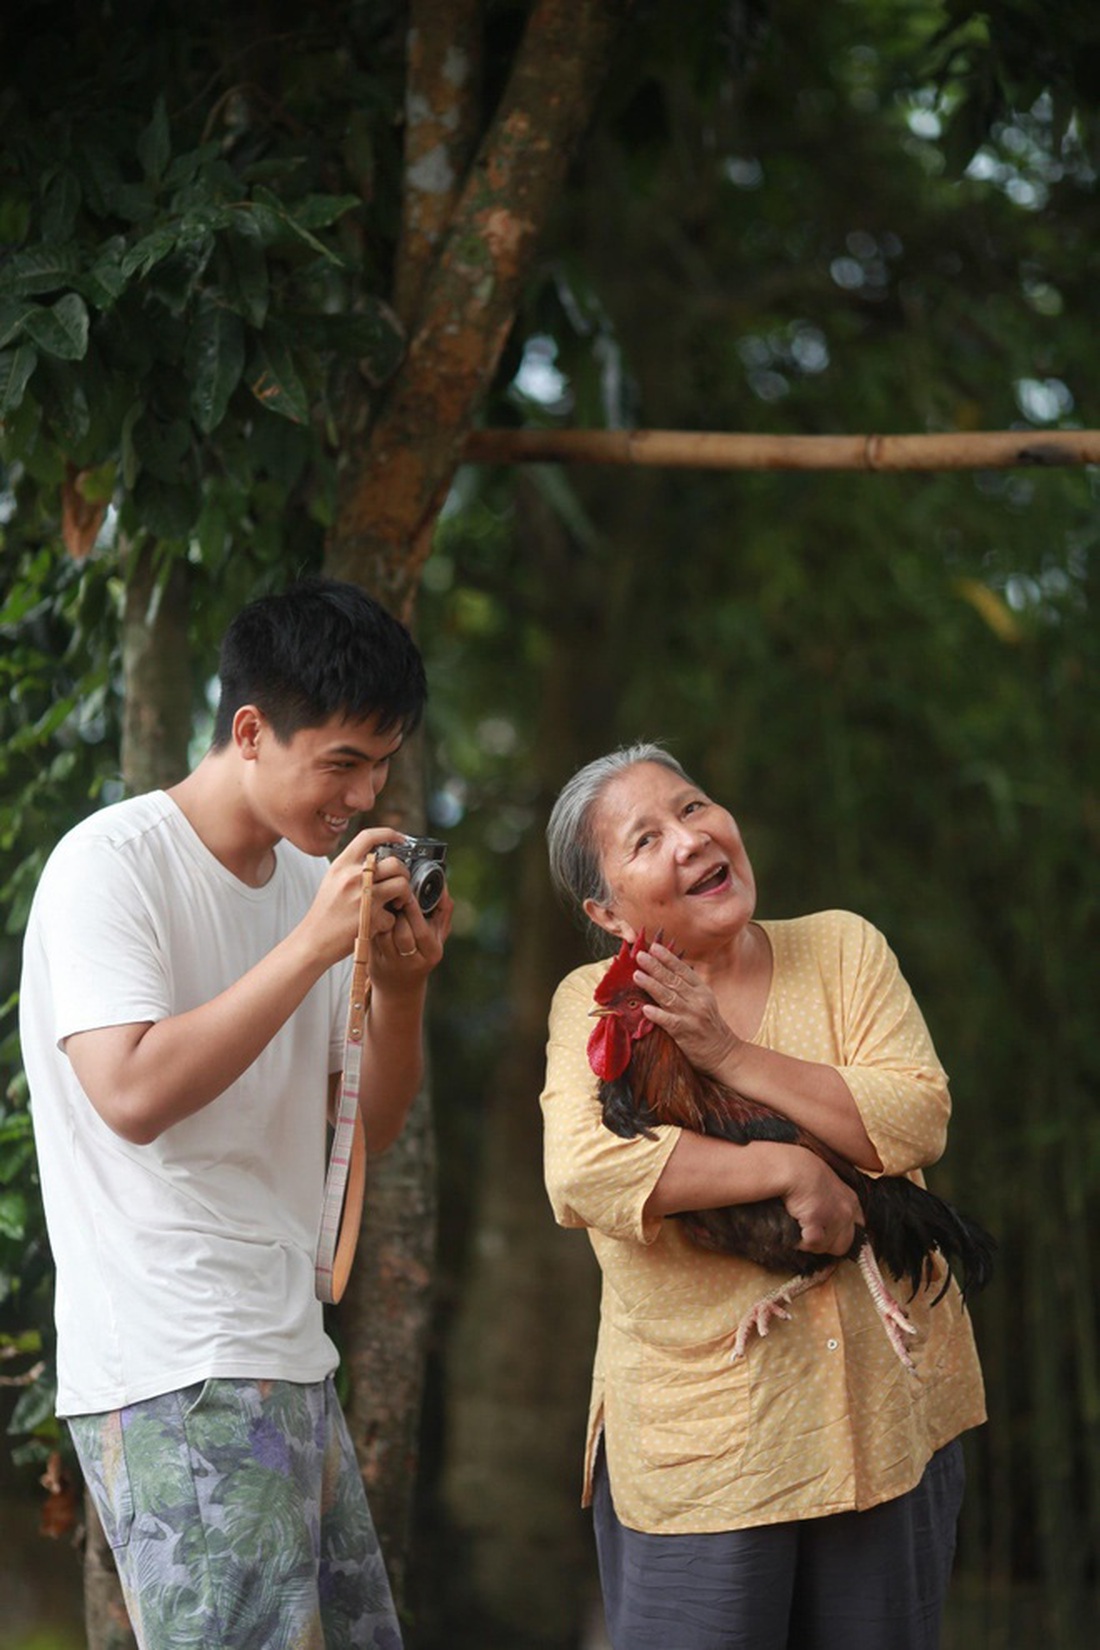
{"x": 183, "y": 1007}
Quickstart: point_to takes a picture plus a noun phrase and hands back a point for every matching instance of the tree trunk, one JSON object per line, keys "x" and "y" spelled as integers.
{"x": 394, "y": 486}
{"x": 156, "y": 667}
{"x": 519, "y": 1367}
{"x": 394, "y": 483}
{"x": 156, "y": 671}
{"x": 384, "y": 1316}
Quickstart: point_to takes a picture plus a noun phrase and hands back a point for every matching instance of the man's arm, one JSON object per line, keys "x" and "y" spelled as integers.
{"x": 143, "y": 1078}
{"x": 393, "y": 1044}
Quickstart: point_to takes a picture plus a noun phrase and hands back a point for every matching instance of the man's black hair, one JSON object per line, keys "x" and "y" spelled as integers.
{"x": 323, "y": 648}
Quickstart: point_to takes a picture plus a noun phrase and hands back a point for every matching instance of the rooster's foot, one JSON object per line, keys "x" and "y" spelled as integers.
{"x": 774, "y": 1305}
{"x": 892, "y": 1313}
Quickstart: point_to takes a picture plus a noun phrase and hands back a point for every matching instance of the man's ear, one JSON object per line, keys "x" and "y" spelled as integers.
{"x": 605, "y": 917}
{"x": 249, "y": 728}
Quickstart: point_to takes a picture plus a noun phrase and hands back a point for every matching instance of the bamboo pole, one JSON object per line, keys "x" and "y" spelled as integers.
{"x": 716, "y": 450}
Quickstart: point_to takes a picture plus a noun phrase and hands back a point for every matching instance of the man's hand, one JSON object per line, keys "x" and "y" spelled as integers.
{"x": 332, "y": 922}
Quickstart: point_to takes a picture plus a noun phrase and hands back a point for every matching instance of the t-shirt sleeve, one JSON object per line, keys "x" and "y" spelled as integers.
{"x": 106, "y": 959}
{"x": 593, "y": 1177}
{"x": 889, "y": 1063}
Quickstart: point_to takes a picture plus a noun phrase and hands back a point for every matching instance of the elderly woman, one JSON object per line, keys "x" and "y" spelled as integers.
{"x": 807, "y": 1494}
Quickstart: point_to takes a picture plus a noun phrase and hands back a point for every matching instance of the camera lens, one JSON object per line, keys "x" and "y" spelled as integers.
{"x": 428, "y": 882}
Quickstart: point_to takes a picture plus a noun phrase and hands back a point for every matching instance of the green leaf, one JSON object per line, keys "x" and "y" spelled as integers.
{"x": 35, "y": 1406}
{"x": 15, "y": 1154}
{"x": 162, "y": 445}
{"x": 169, "y": 510}
{"x": 40, "y": 269}
{"x": 274, "y": 380}
{"x": 278, "y": 223}
{"x": 27, "y": 1342}
{"x": 15, "y": 215}
{"x": 249, "y": 268}
{"x": 154, "y": 146}
{"x": 105, "y": 282}
{"x": 212, "y": 532}
{"x": 13, "y": 1216}
{"x": 13, "y": 313}
{"x": 60, "y": 205}
{"x": 131, "y": 464}
{"x": 176, "y": 278}
{"x": 374, "y": 336}
{"x": 318, "y": 211}
{"x": 150, "y": 250}
{"x": 16, "y": 366}
{"x": 214, "y": 359}
{"x": 98, "y": 483}
{"x": 61, "y": 330}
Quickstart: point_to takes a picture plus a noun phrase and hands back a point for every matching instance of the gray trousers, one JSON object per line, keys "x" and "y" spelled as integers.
{"x": 874, "y": 1580}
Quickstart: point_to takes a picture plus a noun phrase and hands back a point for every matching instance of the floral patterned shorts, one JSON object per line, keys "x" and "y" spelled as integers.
{"x": 238, "y": 1519}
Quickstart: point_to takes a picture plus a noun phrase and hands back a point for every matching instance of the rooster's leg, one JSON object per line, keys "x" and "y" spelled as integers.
{"x": 894, "y": 1320}
{"x": 774, "y": 1305}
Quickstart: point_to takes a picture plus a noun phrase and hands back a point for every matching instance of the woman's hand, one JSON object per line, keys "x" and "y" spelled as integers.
{"x": 685, "y": 1006}
{"x": 825, "y": 1208}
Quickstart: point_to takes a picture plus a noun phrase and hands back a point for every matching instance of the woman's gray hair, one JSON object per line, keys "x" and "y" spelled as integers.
{"x": 575, "y": 867}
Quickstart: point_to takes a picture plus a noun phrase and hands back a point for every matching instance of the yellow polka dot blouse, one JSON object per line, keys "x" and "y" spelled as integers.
{"x": 819, "y": 1417}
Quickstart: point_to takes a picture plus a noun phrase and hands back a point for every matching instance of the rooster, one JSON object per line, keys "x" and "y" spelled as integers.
{"x": 645, "y": 1080}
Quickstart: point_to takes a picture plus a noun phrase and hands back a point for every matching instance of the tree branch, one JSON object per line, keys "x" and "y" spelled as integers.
{"x": 715, "y": 450}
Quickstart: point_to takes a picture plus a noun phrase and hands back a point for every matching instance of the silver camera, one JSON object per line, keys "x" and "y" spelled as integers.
{"x": 427, "y": 860}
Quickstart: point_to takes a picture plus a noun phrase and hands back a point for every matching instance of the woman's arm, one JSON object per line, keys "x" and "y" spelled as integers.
{"x": 811, "y": 1094}
{"x": 625, "y": 1188}
{"x": 704, "y": 1173}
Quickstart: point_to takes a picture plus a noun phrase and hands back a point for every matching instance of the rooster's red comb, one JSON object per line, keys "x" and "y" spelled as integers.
{"x": 621, "y": 972}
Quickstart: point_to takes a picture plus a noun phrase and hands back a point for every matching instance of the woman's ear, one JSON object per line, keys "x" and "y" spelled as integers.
{"x": 604, "y": 917}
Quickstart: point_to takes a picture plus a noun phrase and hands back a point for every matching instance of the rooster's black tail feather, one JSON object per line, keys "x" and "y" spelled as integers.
{"x": 907, "y": 1224}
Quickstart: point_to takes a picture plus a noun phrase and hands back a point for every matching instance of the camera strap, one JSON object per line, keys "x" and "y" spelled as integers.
{"x": 345, "y": 1180}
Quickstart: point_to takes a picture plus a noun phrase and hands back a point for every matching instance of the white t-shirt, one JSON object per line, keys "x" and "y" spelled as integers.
{"x": 192, "y": 1256}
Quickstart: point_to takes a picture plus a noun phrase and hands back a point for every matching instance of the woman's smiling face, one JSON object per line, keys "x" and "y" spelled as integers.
{"x": 672, "y": 859}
